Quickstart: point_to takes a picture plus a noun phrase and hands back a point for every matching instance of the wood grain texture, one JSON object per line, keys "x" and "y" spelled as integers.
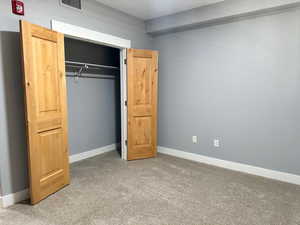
{"x": 142, "y": 103}
{"x": 46, "y": 110}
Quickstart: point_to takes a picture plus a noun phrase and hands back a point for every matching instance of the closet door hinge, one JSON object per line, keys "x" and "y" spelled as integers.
{"x": 126, "y": 142}
{"x": 125, "y": 61}
{"x": 125, "y": 102}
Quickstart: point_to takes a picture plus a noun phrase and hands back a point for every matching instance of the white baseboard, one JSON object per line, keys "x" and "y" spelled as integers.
{"x": 258, "y": 171}
{"x": 91, "y": 153}
{"x": 11, "y": 199}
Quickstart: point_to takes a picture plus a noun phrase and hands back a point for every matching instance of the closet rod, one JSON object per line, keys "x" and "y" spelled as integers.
{"x": 79, "y": 64}
{"x": 94, "y": 77}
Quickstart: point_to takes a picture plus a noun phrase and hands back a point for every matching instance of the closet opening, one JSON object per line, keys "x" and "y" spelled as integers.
{"x": 94, "y": 96}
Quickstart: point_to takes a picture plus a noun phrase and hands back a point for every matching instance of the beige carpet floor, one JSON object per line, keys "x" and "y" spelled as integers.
{"x": 163, "y": 191}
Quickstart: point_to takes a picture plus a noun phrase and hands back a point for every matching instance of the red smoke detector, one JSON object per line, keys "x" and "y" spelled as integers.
{"x": 17, "y": 7}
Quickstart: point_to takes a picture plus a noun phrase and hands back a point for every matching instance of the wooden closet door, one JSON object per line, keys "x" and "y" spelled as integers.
{"x": 142, "y": 103}
{"x": 46, "y": 109}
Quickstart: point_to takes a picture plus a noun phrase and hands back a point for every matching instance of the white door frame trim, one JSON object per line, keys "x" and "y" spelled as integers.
{"x": 85, "y": 34}
{"x": 88, "y": 35}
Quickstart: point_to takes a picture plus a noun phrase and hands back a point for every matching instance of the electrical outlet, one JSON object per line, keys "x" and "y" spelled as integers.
{"x": 216, "y": 143}
{"x": 195, "y": 139}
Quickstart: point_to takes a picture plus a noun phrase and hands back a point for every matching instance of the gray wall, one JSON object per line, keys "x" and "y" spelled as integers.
{"x": 12, "y": 134}
{"x": 92, "y": 114}
{"x": 237, "y": 82}
{"x": 13, "y": 157}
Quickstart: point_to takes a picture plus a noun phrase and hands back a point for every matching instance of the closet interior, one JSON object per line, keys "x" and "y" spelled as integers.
{"x": 94, "y": 96}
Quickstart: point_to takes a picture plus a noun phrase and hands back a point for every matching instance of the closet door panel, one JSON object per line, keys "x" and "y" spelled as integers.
{"x": 142, "y": 103}
{"x": 46, "y": 116}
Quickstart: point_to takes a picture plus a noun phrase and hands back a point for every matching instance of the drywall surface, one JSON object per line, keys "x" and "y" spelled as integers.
{"x": 237, "y": 82}
{"x": 216, "y": 13}
{"x": 92, "y": 114}
{"x": 94, "y": 16}
{"x": 13, "y": 155}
